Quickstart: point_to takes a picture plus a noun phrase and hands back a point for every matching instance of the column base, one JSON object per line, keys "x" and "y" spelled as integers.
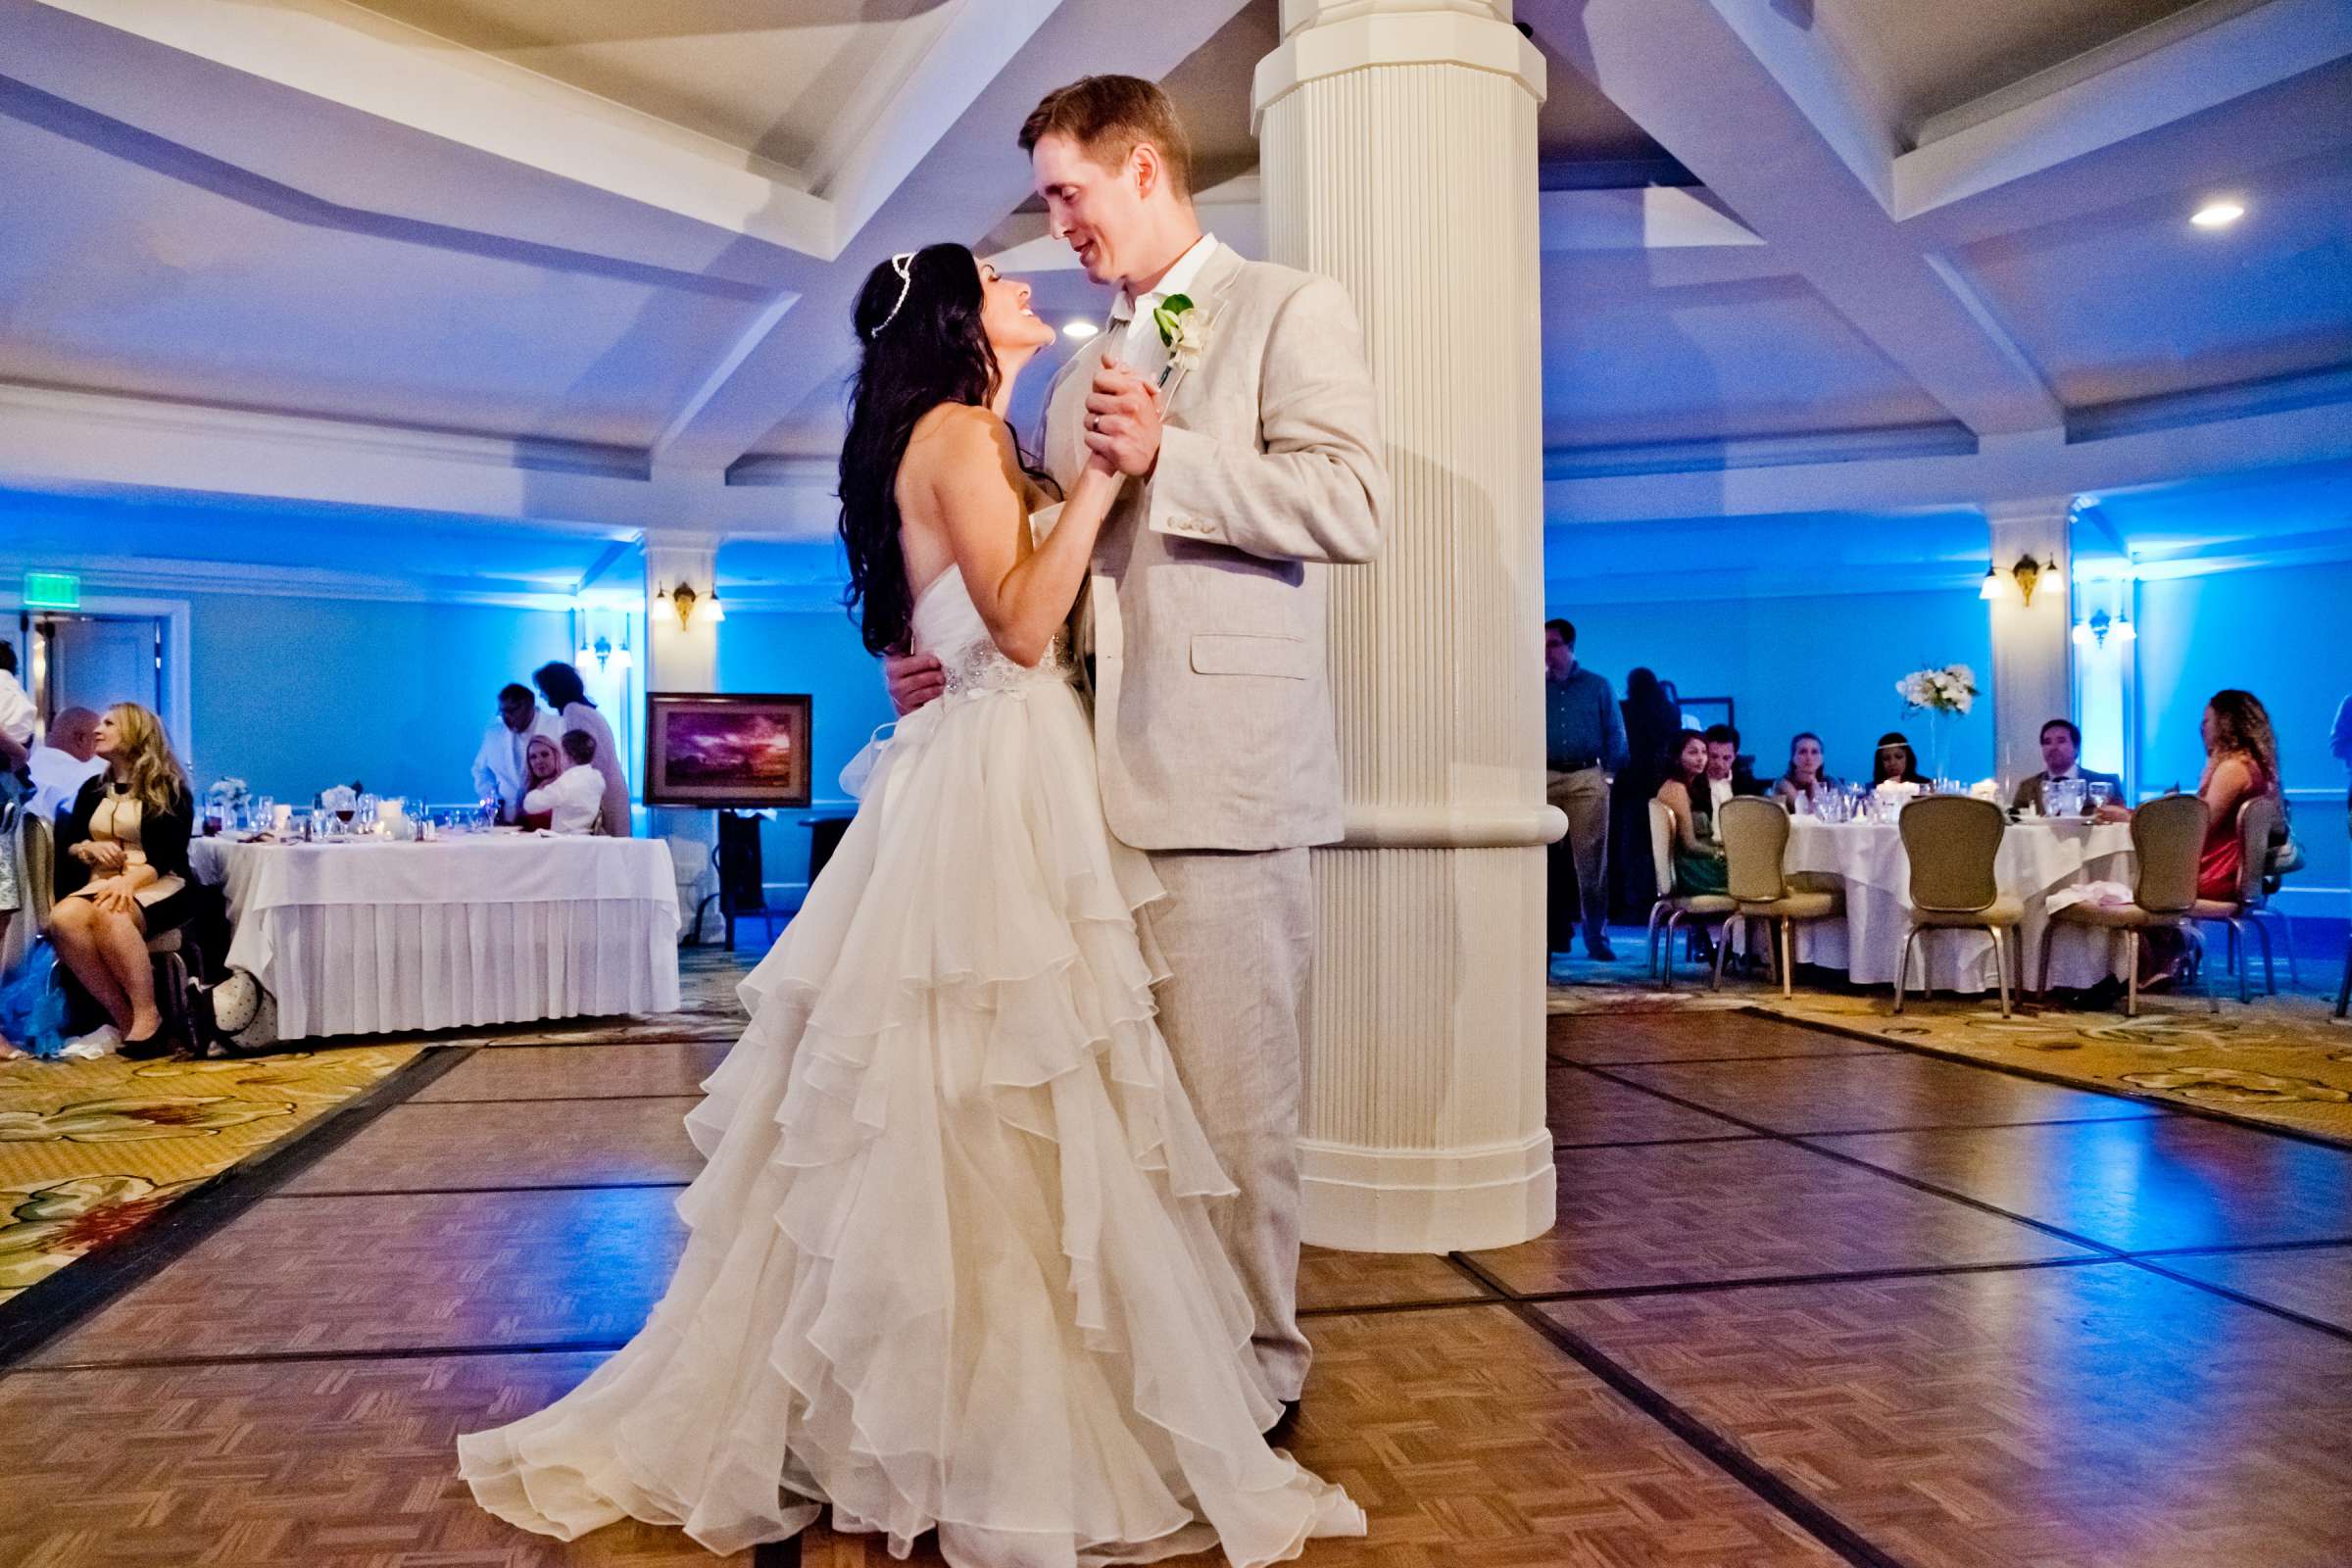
{"x": 1426, "y": 1201}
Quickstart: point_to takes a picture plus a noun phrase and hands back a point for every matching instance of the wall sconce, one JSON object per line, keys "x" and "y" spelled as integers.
{"x": 2028, "y": 573}
{"x": 1992, "y": 589}
{"x": 605, "y": 654}
{"x": 2095, "y": 631}
{"x": 684, "y": 600}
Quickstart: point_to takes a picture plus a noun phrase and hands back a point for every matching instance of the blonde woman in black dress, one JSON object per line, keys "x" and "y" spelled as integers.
{"x": 122, "y": 873}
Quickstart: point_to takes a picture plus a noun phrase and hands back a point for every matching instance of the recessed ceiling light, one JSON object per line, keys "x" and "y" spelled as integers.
{"x": 1079, "y": 331}
{"x": 2217, "y": 215}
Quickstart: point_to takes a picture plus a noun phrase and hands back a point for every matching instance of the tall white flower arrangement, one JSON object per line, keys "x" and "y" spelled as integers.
{"x": 1949, "y": 690}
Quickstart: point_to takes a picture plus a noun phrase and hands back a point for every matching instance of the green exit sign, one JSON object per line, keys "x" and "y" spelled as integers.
{"x": 52, "y": 590}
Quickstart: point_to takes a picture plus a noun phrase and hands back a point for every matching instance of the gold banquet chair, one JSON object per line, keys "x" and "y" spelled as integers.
{"x": 2259, "y": 820}
{"x": 2168, "y": 835}
{"x": 1670, "y": 906}
{"x": 1951, "y": 842}
{"x": 1756, "y": 844}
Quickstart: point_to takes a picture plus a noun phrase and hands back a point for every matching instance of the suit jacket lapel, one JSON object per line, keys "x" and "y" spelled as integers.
{"x": 1208, "y": 294}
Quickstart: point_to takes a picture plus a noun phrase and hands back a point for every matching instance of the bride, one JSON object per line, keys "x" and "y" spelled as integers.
{"x": 951, "y": 1264}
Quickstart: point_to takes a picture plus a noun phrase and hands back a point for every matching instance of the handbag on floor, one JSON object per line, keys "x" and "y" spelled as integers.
{"x": 32, "y": 1005}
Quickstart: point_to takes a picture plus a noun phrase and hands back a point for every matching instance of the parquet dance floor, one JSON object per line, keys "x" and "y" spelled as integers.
{"x": 1809, "y": 1300}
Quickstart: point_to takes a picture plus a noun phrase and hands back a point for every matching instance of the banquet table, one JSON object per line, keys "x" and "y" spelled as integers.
{"x": 2037, "y": 858}
{"x": 369, "y": 935}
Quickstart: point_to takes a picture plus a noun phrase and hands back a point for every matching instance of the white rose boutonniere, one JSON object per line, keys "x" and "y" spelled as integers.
{"x": 1182, "y": 331}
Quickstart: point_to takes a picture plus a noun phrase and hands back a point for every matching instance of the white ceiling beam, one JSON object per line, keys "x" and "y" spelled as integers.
{"x": 77, "y": 442}
{"x": 2209, "y": 55}
{"x": 959, "y": 199}
{"x": 2015, "y": 468}
{"x": 1651, "y": 218}
{"x": 348, "y": 55}
{"x": 1780, "y": 148}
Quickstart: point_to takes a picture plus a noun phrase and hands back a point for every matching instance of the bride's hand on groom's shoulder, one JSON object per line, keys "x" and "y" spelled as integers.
{"x": 1122, "y": 420}
{"x": 913, "y": 680}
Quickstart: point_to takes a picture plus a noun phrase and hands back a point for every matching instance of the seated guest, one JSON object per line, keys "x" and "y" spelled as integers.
{"x": 68, "y": 760}
{"x": 122, "y": 873}
{"x": 1805, "y": 779}
{"x": 1727, "y": 772}
{"x": 574, "y": 803}
{"x": 2241, "y": 765}
{"x": 1699, "y": 862}
{"x": 498, "y": 771}
{"x": 1895, "y": 763}
{"x": 2060, "y": 744}
{"x": 561, "y": 685}
{"x": 18, "y": 720}
{"x": 542, "y": 762}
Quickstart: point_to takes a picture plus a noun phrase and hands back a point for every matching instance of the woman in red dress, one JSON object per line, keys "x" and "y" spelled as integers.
{"x": 2241, "y": 765}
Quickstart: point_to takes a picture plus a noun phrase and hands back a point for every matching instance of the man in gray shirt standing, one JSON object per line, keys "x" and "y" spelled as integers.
{"x": 1583, "y": 745}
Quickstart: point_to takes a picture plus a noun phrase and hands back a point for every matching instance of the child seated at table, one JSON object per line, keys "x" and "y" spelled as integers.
{"x": 574, "y": 802}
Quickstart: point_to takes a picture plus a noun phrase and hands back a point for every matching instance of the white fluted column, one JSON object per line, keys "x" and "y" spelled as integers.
{"x": 1397, "y": 146}
{"x": 684, "y": 659}
{"x": 2032, "y": 654}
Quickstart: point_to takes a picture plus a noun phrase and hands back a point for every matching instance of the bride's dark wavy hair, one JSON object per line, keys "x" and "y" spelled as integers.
{"x": 919, "y": 351}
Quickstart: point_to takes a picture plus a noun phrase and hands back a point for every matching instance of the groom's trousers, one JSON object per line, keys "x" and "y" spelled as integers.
{"x": 1237, "y": 931}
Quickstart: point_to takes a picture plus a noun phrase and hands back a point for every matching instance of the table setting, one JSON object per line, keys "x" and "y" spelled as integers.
{"x": 362, "y": 916}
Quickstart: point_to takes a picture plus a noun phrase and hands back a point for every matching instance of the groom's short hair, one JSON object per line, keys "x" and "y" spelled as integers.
{"x": 1107, "y": 115}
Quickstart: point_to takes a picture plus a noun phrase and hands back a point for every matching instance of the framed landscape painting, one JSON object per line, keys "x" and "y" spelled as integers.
{"x": 717, "y": 750}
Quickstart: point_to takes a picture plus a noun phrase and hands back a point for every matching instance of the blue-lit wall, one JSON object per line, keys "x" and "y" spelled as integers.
{"x": 293, "y": 694}
{"x": 2279, "y": 633}
{"x": 817, "y": 651}
{"x": 1825, "y": 663}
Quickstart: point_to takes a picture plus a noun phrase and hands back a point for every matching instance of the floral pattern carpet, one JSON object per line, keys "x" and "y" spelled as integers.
{"x": 89, "y": 1151}
{"x": 2279, "y": 1061}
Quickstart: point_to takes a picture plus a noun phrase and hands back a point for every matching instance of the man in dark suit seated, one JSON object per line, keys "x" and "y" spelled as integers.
{"x": 2060, "y": 744}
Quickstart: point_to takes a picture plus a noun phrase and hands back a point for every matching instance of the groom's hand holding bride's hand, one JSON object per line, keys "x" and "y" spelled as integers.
{"x": 913, "y": 679}
{"x": 1122, "y": 419}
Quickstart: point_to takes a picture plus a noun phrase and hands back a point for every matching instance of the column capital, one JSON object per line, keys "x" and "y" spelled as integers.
{"x": 2028, "y": 510}
{"x": 1334, "y": 39}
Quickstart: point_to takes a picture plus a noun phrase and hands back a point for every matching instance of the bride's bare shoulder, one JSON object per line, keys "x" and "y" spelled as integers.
{"x": 958, "y": 436}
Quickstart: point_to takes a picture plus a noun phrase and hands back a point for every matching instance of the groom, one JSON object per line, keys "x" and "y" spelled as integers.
{"x": 1234, "y": 394}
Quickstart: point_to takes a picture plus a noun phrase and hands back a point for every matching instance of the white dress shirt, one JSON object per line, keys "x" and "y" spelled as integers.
{"x": 1140, "y": 348}
{"x": 584, "y": 717}
{"x": 574, "y": 801}
{"x": 1719, "y": 790}
{"x": 18, "y": 717}
{"x": 57, "y": 778}
{"x": 499, "y": 771}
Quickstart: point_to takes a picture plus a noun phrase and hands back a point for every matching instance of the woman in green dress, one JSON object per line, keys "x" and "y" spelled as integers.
{"x": 1698, "y": 863}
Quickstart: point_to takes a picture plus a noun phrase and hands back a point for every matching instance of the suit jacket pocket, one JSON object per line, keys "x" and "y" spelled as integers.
{"x": 1252, "y": 653}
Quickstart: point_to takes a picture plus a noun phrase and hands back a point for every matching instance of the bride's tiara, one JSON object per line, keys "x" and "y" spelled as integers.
{"x": 902, "y": 263}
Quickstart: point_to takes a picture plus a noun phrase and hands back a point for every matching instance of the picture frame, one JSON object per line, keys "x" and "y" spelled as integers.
{"x": 749, "y": 751}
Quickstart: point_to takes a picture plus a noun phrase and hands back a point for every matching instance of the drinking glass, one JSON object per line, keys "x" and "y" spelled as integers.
{"x": 265, "y": 813}
{"x": 2102, "y": 794}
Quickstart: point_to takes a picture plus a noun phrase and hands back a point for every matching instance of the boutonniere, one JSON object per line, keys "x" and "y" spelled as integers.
{"x": 1182, "y": 332}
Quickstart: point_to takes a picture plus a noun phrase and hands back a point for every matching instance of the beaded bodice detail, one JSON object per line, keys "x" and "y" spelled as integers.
{"x": 948, "y": 623}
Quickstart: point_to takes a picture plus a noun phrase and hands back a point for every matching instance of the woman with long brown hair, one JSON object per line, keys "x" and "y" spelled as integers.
{"x": 122, "y": 874}
{"x": 2241, "y": 765}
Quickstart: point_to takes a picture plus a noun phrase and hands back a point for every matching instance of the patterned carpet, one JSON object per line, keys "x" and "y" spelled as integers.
{"x": 90, "y": 1150}
{"x": 2278, "y": 1061}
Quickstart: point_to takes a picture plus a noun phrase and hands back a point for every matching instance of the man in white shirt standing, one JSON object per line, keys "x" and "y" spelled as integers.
{"x": 64, "y": 761}
{"x": 576, "y": 800}
{"x": 499, "y": 773}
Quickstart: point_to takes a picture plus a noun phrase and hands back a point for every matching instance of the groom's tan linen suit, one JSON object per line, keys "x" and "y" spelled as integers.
{"x": 1212, "y": 713}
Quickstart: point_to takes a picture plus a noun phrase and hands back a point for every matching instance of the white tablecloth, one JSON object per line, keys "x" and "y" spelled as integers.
{"x": 2035, "y": 859}
{"x": 370, "y": 936}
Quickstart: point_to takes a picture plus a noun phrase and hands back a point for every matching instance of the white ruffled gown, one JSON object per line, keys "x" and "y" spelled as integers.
{"x": 950, "y": 1263}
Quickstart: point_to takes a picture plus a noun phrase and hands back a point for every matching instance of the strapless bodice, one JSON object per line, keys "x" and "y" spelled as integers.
{"x": 947, "y": 622}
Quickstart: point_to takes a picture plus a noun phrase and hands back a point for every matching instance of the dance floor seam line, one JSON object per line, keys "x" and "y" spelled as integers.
{"x": 448, "y": 1191}
{"x": 390, "y": 1352}
{"x": 1661, "y": 1143}
{"x": 2106, "y": 1250}
{"x": 1715, "y": 1061}
{"x": 1859, "y": 1276}
{"x": 2175, "y": 1107}
{"x": 1725, "y": 1453}
{"x": 76, "y": 1293}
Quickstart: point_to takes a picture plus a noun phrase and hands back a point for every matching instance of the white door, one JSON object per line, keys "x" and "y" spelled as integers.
{"x": 98, "y": 660}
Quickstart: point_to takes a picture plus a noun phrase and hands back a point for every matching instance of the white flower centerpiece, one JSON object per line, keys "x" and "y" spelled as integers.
{"x": 1940, "y": 694}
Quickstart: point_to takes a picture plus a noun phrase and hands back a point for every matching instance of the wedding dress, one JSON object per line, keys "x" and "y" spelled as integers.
{"x": 950, "y": 1263}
